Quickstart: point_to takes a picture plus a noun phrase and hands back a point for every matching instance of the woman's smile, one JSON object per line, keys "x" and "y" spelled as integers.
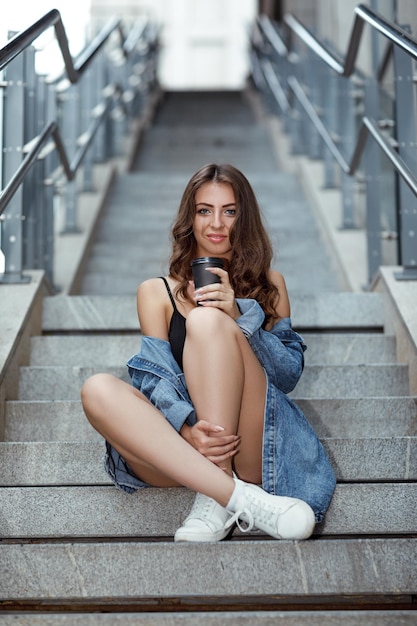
{"x": 216, "y": 238}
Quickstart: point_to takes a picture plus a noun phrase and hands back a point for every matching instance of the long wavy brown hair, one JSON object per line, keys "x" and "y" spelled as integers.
{"x": 252, "y": 251}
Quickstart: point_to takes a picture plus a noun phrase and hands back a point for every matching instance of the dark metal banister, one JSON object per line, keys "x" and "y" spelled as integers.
{"x": 368, "y": 127}
{"x": 86, "y": 56}
{"x": 23, "y": 40}
{"x": 70, "y": 169}
{"x": 50, "y": 130}
{"x": 313, "y": 43}
{"x": 318, "y": 124}
{"x": 392, "y": 32}
{"x": 74, "y": 70}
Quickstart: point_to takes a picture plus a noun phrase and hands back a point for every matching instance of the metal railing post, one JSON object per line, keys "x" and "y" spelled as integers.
{"x": 330, "y": 120}
{"x": 315, "y": 87}
{"x": 372, "y": 159}
{"x": 12, "y": 218}
{"x": 347, "y": 132}
{"x": 70, "y": 99}
{"x": 87, "y": 102}
{"x": 407, "y": 145}
{"x": 99, "y": 148}
{"x": 31, "y": 223}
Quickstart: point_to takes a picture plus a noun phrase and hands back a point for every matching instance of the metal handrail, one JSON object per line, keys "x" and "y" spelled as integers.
{"x": 346, "y": 67}
{"x": 272, "y": 44}
{"x": 394, "y": 34}
{"x": 23, "y": 40}
{"x": 74, "y": 72}
{"x": 368, "y": 127}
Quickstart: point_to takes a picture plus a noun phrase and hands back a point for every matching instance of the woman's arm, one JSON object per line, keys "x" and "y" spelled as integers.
{"x": 154, "y": 308}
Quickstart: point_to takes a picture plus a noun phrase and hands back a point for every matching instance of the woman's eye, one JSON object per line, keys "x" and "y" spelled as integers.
{"x": 202, "y": 211}
{"x": 230, "y": 212}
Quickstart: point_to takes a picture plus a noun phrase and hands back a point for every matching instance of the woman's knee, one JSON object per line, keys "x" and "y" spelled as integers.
{"x": 213, "y": 321}
{"x": 94, "y": 392}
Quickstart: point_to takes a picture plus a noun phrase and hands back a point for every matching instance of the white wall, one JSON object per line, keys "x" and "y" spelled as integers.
{"x": 204, "y": 42}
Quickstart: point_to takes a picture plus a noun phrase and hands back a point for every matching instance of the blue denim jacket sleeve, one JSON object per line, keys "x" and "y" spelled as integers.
{"x": 157, "y": 375}
{"x": 279, "y": 350}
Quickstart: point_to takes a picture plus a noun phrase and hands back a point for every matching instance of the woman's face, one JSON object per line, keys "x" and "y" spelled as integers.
{"x": 215, "y": 213}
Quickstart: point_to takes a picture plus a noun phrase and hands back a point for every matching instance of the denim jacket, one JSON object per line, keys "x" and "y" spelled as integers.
{"x": 294, "y": 462}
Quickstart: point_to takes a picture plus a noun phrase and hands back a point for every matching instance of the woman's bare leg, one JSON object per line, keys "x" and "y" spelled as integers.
{"x": 148, "y": 443}
{"x": 227, "y": 384}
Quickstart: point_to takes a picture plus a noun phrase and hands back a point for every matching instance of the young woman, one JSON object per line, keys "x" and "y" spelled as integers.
{"x": 208, "y": 407}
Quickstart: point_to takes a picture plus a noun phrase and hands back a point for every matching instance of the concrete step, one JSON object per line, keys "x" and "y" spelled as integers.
{"x": 88, "y": 350}
{"x": 325, "y": 349}
{"x": 361, "y": 417}
{"x": 135, "y": 571}
{"x": 47, "y": 421}
{"x": 79, "y": 463}
{"x": 374, "y": 508}
{"x": 352, "y": 381}
{"x": 342, "y": 417}
{"x": 317, "y": 381}
{"x": 257, "y": 617}
{"x": 327, "y": 311}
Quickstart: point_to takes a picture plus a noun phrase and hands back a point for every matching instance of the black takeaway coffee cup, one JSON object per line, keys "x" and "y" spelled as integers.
{"x": 200, "y": 275}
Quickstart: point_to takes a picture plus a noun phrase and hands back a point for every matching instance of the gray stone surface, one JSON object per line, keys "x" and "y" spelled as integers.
{"x": 112, "y": 349}
{"x": 47, "y": 421}
{"x": 331, "y": 417}
{"x": 308, "y": 311}
{"x": 361, "y": 417}
{"x": 115, "y": 349}
{"x": 60, "y": 383}
{"x": 349, "y": 348}
{"x": 140, "y": 570}
{"x": 345, "y": 381}
{"x": 78, "y": 313}
{"x": 79, "y": 463}
{"x": 37, "y": 512}
{"x": 352, "y": 381}
{"x": 220, "y": 618}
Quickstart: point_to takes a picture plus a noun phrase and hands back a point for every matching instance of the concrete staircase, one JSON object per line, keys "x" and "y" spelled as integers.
{"x": 71, "y": 541}
{"x": 75, "y": 550}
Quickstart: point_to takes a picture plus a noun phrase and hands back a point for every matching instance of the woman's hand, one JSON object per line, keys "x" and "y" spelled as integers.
{"x": 210, "y": 441}
{"x": 218, "y": 295}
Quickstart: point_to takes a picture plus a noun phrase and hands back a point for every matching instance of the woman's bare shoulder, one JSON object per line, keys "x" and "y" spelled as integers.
{"x": 153, "y": 304}
{"x": 277, "y": 279}
{"x": 283, "y": 307}
{"x": 151, "y": 286}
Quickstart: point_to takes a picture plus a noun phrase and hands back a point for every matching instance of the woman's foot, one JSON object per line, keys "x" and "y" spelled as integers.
{"x": 278, "y": 516}
{"x": 205, "y": 522}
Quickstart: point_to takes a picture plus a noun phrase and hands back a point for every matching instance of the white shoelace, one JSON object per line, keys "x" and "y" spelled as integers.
{"x": 235, "y": 519}
{"x": 266, "y": 514}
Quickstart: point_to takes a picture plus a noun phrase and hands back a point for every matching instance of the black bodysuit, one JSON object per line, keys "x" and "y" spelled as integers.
{"x": 176, "y": 331}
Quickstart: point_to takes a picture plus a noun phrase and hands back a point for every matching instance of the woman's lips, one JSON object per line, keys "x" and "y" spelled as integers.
{"x": 216, "y": 238}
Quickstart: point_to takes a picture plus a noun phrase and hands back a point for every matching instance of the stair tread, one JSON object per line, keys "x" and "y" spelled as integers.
{"x": 64, "y": 383}
{"x": 140, "y": 570}
{"x": 64, "y": 420}
{"x": 357, "y": 509}
{"x": 236, "y": 617}
{"x": 114, "y": 349}
{"x": 326, "y": 310}
{"x": 79, "y": 462}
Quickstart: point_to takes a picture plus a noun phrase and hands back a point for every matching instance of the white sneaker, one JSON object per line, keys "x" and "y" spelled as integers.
{"x": 205, "y": 522}
{"x": 278, "y": 516}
